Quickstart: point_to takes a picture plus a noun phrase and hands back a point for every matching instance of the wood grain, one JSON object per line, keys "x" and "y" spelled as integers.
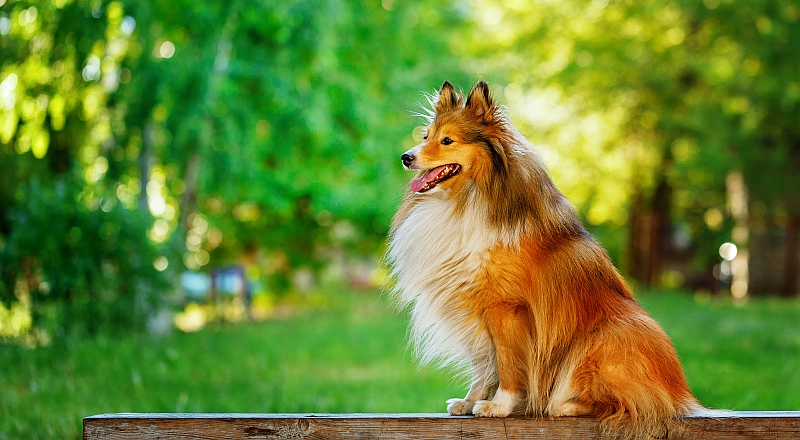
{"x": 732, "y": 425}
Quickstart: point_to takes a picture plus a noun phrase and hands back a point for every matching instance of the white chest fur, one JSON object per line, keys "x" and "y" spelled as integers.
{"x": 435, "y": 255}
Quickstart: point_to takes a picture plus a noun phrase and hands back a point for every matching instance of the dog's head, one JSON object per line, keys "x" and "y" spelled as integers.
{"x": 459, "y": 141}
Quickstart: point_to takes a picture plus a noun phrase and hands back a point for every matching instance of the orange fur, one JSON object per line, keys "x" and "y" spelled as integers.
{"x": 497, "y": 268}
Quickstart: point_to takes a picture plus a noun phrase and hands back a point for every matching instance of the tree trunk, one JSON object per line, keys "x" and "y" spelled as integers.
{"x": 736, "y": 192}
{"x": 791, "y": 261}
{"x": 649, "y": 234}
{"x": 144, "y": 165}
{"x": 189, "y": 196}
{"x": 638, "y": 237}
{"x": 659, "y": 232}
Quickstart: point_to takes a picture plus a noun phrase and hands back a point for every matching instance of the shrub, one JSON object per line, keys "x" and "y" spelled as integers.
{"x": 79, "y": 268}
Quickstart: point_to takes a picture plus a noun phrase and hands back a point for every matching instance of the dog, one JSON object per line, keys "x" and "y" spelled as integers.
{"x": 496, "y": 268}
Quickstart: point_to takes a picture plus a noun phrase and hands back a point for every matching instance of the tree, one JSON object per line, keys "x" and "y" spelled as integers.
{"x": 208, "y": 129}
{"x": 654, "y": 104}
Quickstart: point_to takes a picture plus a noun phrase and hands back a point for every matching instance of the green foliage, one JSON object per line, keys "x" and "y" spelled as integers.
{"x": 72, "y": 251}
{"x": 624, "y": 95}
{"x": 79, "y": 269}
{"x": 295, "y": 116}
{"x": 270, "y": 126}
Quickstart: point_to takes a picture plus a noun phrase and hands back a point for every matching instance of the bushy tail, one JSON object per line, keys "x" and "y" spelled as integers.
{"x": 701, "y": 411}
{"x": 654, "y": 419}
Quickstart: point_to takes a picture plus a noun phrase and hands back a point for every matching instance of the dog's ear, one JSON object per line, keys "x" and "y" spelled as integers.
{"x": 448, "y": 98}
{"x": 480, "y": 101}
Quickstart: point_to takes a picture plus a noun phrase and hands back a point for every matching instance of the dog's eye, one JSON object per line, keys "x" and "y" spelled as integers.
{"x": 447, "y": 141}
{"x": 425, "y": 137}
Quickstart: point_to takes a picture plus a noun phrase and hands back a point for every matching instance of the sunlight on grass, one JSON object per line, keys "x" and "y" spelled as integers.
{"x": 14, "y": 321}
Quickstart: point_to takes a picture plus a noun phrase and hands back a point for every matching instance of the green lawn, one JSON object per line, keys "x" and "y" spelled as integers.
{"x": 743, "y": 357}
{"x": 350, "y": 356}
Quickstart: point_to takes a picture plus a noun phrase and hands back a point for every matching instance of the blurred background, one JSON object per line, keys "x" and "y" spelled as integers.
{"x": 168, "y": 167}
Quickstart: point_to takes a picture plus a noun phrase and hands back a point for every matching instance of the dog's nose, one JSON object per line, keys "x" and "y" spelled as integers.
{"x": 407, "y": 159}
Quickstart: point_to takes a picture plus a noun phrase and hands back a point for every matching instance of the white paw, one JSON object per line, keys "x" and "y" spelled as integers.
{"x": 459, "y": 407}
{"x": 487, "y": 408}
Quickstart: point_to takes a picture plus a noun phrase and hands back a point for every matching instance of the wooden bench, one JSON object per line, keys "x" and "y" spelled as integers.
{"x": 735, "y": 425}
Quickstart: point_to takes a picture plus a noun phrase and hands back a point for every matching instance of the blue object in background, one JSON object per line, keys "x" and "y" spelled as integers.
{"x": 196, "y": 285}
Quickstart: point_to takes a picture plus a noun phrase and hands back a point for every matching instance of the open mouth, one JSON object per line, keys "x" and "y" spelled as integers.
{"x": 434, "y": 176}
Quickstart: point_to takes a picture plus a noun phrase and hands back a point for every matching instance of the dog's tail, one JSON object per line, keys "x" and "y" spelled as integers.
{"x": 633, "y": 381}
{"x": 647, "y": 420}
{"x": 702, "y": 412}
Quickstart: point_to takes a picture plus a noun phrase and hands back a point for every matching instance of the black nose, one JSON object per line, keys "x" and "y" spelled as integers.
{"x": 407, "y": 159}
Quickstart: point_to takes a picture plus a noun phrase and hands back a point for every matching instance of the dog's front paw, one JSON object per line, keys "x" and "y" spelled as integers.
{"x": 487, "y": 408}
{"x": 459, "y": 407}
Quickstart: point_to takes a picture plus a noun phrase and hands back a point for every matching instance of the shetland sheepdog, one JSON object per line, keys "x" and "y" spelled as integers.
{"x": 497, "y": 270}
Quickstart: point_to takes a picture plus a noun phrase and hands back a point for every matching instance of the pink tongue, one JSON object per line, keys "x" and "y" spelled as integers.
{"x": 419, "y": 183}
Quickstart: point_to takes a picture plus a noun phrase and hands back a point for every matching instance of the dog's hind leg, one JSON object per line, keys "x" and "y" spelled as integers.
{"x": 573, "y": 408}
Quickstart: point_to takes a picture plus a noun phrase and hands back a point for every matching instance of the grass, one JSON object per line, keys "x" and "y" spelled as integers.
{"x": 350, "y": 356}
{"x": 740, "y": 357}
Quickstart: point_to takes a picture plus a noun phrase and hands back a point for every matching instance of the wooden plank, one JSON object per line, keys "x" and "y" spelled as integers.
{"x": 732, "y": 425}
